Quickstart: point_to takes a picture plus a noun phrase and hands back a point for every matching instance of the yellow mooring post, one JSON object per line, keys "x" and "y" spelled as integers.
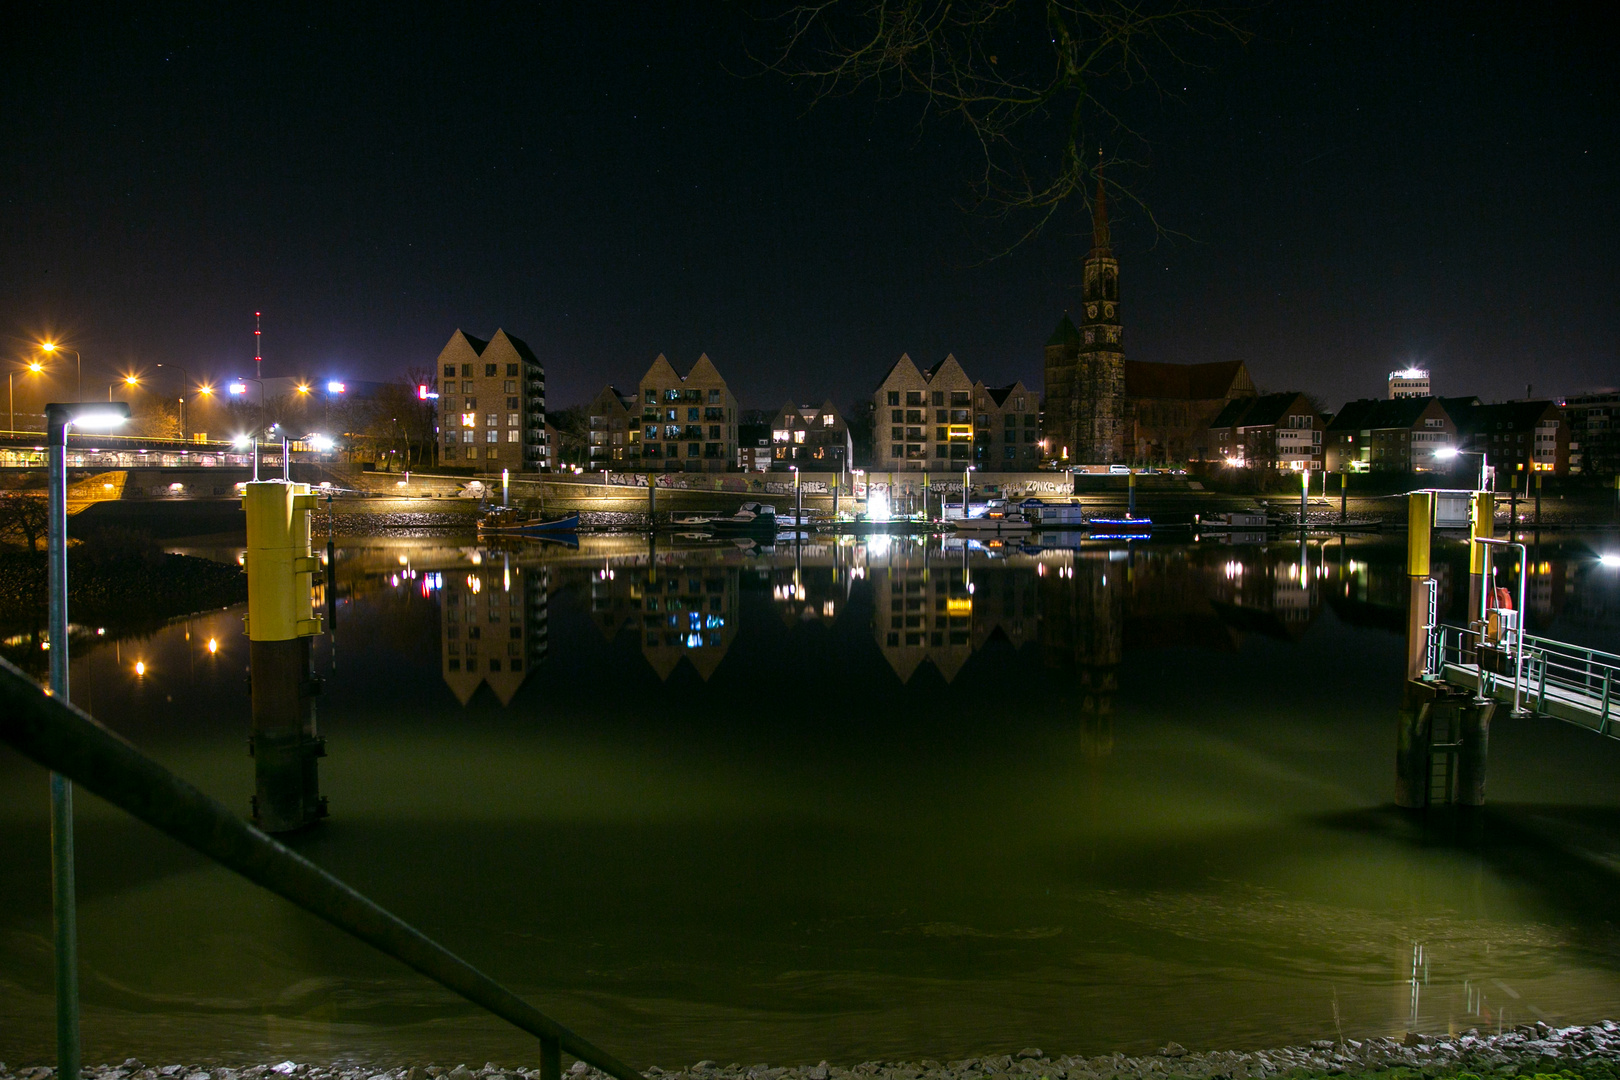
{"x": 1415, "y": 721}
{"x": 1483, "y": 524}
{"x": 281, "y": 620}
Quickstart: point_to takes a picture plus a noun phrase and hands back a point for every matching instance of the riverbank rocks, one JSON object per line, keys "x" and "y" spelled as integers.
{"x": 1532, "y": 1051}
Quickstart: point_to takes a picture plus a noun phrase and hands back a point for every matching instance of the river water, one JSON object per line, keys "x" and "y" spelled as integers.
{"x": 887, "y": 799}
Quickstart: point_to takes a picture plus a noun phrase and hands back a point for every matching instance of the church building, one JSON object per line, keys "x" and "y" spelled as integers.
{"x": 1102, "y": 409}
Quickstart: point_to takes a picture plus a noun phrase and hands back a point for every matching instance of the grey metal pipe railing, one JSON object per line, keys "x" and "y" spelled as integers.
{"x": 68, "y": 741}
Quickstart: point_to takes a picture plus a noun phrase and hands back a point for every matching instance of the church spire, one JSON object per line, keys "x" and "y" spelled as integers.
{"x": 1099, "y": 215}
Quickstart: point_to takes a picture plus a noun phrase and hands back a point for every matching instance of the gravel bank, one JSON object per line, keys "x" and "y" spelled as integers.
{"x": 1529, "y": 1051}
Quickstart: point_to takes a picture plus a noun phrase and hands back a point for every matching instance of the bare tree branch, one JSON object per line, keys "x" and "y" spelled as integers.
{"x": 1033, "y": 81}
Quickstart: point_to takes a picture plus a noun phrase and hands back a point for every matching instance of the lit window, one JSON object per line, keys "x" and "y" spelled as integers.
{"x": 466, "y": 436}
{"x": 512, "y": 420}
{"x": 469, "y": 419}
{"x": 493, "y": 436}
{"x": 490, "y": 419}
{"x": 798, "y": 436}
{"x": 779, "y": 435}
{"x": 511, "y": 436}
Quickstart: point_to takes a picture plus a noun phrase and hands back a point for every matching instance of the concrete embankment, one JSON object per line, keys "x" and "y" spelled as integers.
{"x": 1537, "y": 1050}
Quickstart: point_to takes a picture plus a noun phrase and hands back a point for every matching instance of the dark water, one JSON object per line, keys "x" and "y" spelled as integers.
{"x": 845, "y": 801}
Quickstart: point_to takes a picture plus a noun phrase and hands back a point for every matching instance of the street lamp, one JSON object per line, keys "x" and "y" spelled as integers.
{"x": 967, "y": 477}
{"x": 130, "y": 381}
{"x": 11, "y": 392}
{"x": 58, "y": 418}
{"x": 1449, "y": 453}
{"x": 52, "y": 347}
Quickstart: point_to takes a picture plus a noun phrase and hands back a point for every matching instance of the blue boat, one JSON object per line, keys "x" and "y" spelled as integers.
{"x": 504, "y": 521}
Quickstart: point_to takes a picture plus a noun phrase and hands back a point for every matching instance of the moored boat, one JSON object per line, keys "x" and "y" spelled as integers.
{"x": 508, "y": 521}
{"x": 751, "y": 519}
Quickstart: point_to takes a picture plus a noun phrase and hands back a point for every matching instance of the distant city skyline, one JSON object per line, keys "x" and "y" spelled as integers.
{"x": 1352, "y": 193}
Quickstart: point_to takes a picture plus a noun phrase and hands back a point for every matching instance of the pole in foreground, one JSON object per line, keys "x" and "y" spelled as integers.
{"x": 281, "y": 622}
{"x": 64, "y": 898}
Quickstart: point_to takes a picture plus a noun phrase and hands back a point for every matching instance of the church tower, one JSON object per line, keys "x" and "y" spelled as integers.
{"x": 1098, "y": 393}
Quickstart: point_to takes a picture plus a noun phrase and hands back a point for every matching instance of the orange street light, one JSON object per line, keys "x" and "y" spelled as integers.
{"x": 52, "y": 347}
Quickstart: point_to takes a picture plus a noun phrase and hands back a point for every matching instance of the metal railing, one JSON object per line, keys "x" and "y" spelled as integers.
{"x": 68, "y": 741}
{"x": 1553, "y": 678}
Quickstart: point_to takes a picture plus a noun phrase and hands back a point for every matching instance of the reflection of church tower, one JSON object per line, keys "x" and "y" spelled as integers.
{"x": 1099, "y": 390}
{"x": 493, "y": 628}
{"x": 1083, "y": 627}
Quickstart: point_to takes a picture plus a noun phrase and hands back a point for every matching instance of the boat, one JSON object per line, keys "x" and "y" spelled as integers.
{"x": 1054, "y": 514}
{"x": 751, "y": 519}
{"x": 508, "y": 521}
{"x": 994, "y": 523}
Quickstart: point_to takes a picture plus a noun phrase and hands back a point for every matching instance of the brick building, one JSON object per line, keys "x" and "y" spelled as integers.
{"x": 613, "y": 435}
{"x": 492, "y": 405}
{"x": 688, "y": 422}
{"x": 812, "y": 437}
{"x": 1279, "y": 431}
{"x": 922, "y": 419}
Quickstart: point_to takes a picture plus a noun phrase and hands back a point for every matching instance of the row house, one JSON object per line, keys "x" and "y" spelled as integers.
{"x": 1517, "y": 436}
{"x": 688, "y": 422}
{"x": 1402, "y": 434}
{"x": 923, "y": 419}
{"x": 1594, "y": 432}
{"x": 754, "y": 447}
{"x": 812, "y": 437}
{"x": 612, "y": 431}
{"x": 1282, "y": 431}
{"x": 1006, "y": 428}
{"x": 492, "y": 405}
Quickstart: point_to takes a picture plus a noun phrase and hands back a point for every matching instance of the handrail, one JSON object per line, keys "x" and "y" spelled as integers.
{"x": 68, "y": 741}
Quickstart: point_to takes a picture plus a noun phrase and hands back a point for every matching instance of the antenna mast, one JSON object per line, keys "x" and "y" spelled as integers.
{"x": 258, "y": 358}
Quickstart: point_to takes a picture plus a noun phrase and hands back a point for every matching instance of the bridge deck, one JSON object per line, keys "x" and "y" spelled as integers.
{"x": 1562, "y": 702}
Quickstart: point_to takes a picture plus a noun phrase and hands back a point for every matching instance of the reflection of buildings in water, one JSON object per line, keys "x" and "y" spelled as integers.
{"x": 1006, "y": 606}
{"x": 493, "y": 629}
{"x": 676, "y": 612}
{"x": 1276, "y": 593}
{"x": 806, "y": 594}
{"x": 1082, "y": 626}
{"x": 1590, "y": 591}
{"x": 922, "y": 611}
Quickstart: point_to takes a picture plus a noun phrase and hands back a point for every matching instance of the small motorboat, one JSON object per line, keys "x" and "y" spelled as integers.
{"x": 509, "y": 521}
{"x": 994, "y": 523}
{"x": 751, "y": 519}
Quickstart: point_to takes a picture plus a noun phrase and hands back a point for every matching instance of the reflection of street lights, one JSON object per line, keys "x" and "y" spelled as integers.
{"x": 58, "y": 418}
{"x": 1448, "y": 453}
{"x": 52, "y": 347}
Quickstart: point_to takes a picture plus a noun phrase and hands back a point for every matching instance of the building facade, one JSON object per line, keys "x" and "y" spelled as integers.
{"x": 688, "y": 422}
{"x": 493, "y": 629}
{"x": 1171, "y": 408}
{"x": 1006, "y": 428}
{"x": 754, "y": 447}
{"x": 1278, "y": 431}
{"x": 1594, "y": 432}
{"x": 1517, "y": 437}
{"x": 923, "y": 419}
{"x": 613, "y": 435}
{"x": 811, "y": 437}
{"x": 492, "y": 405}
{"x": 1411, "y": 382}
{"x": 1392, "y": 435}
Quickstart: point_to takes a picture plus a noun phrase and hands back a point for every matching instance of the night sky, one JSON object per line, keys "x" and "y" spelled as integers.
{"x": 1361, "y": 187}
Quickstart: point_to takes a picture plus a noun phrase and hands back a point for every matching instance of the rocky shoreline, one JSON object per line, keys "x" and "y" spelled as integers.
{"x": 1529, "y": 1051}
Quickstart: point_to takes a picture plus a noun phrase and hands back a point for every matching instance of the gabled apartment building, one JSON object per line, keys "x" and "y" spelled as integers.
{"x": 1006, "y": 428}
{"x": 1393, "y": 434}
{"x": 1594, "y": 432}
{"x": 688, "y": 422}
{"x": 613, "y": 436}
{"x": 492, "y": 405}
{"x": 923, "y": 419}
{"x": 813, "y": 437}
{"x": 1281, "y": 431}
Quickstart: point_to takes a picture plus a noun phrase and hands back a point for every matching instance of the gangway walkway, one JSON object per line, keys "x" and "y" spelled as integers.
{"x": 1550, "y": 678}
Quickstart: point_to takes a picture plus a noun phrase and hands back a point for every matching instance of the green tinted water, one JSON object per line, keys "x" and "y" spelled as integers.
{"x": 1122, "y": 797}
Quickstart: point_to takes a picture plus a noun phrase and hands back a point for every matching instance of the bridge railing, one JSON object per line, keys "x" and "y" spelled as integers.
{"x": 68, "y": 741}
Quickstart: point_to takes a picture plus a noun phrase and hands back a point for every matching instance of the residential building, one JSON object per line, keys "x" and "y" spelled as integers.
{"x": 1392, "y": 434}
{"x": 754, "y": 447}
{"x": 812, "y": 437}
{"x": 1411, "y": 382}
{"x": 1517, "y": 437}
{"x": 1594, "y": 432}
{"x": 492, "y": 405}
{"x": 1006, "y": 428}
{"x": 923, "y": 419}
{"x": 688, "y": 422}
{"x": 613, "y": 431}
{"x": 1282, "y": 431}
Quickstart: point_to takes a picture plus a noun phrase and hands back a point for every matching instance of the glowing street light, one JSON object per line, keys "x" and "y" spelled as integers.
{"x": 53, "y": 347}
{"x": 1451, "y": 453}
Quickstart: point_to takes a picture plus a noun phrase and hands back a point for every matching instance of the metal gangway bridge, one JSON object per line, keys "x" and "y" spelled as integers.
{"x": 1547, "y": 678}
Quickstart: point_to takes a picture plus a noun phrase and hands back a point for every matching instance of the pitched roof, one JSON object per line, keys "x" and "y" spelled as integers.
{"x": 1066, "y": 333}
{"x": 905, "y": 358}
{"x": 1181, "y": 382}
{"x": 999, "y": 394}
{"x": 950, "y": 361}
{"x": 661, "y": 369}
{"x": 1512, "y": 415}
{"x": 1367, "y": 414}
{"x": 519, "y": 346}
{"x": 1256, "y": 411}
{"x": 705, "y": 367}
{"x": 478, "y": 344}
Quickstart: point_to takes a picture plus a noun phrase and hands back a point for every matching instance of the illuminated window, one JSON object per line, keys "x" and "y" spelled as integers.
{"x": 492, "y": 436}
{"x": 798, "y": 436}
{"x": 511, "y": 436}
{"x": 511, "y": 419}
{"x": 466, "y": 436}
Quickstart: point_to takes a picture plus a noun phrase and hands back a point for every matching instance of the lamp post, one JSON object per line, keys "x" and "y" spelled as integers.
{"x": 185, "y": 380}
{"x": 798, "y": 501}
{"x": 130, "y": 381}
{"x": 52, "y": 347}
{"x": 58, "y": 418}
{"x": 1448, "y": 453}
{"x": 967, "y": 478}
